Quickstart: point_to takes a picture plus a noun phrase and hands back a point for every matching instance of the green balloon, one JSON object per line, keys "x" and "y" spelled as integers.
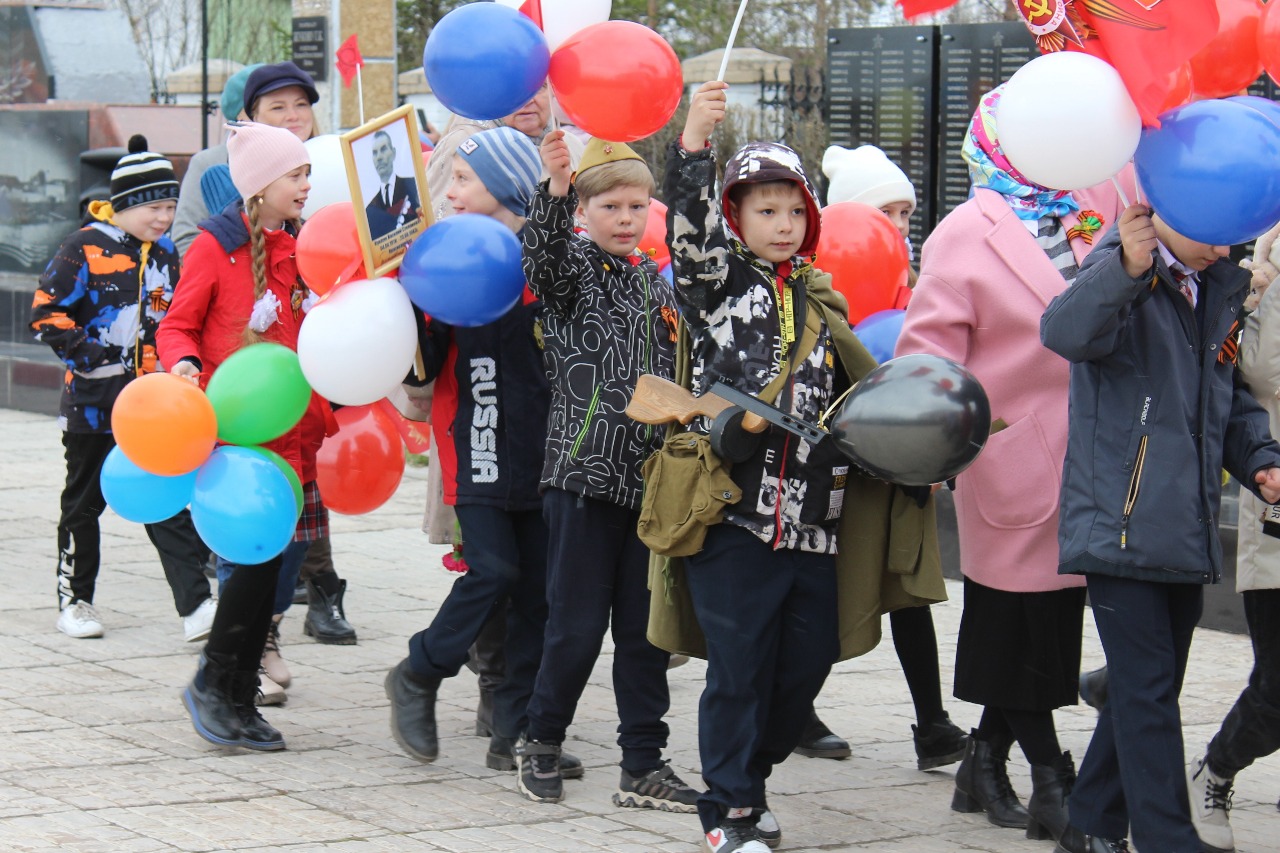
{"x": 258, "y": 394}
{"x": 289, "y": 474}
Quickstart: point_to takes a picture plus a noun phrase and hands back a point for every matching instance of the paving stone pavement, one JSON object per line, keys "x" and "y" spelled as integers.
{"x": 97, "y": 753}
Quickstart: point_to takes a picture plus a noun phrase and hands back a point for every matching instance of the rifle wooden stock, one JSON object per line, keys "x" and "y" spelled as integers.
{"x": 661, "y": 401}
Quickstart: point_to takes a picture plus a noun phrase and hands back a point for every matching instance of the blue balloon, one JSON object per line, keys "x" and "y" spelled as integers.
{"x": 879, "y": 332}
{"x": 1212, "y": 171}
{"x": 464, "y": 270}
{"x": 666, "y": 272}
{"x": 485, "y": 60}
{"x": 1266, "y": 106}
{"x": 141, "y": 496}
{"x": 243, "y": 506}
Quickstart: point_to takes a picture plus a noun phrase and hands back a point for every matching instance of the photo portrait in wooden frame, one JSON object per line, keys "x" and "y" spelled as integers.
{"x": 388, "y": 187}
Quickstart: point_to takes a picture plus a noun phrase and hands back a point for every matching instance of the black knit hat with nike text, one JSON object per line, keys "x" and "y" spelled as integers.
{"x": 142, "y": 177}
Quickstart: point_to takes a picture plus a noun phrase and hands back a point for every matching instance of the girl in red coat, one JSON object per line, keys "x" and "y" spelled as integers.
{"x": 240, "y": 286}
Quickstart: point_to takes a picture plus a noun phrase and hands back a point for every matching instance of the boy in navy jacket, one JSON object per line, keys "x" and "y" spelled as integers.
{"x": 1150, "y": 326}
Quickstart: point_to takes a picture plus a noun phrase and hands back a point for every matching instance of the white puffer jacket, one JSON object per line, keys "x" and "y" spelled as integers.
{"x": 1258, "y": 555}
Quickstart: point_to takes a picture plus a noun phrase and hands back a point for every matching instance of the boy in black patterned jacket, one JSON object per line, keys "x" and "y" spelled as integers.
{"x": 608, "y": 316}
{"x": 763, "y": 586}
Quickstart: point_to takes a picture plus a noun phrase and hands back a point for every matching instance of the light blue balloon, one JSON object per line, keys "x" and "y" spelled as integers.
{"x": 879, "y": 332}
{"x": 141, "y": 496}
{"x": 243, "y": 507}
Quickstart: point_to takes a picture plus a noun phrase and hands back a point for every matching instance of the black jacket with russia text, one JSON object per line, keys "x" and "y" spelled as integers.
{"x": 489, "y": 412}
{"x": 606, "y": 319}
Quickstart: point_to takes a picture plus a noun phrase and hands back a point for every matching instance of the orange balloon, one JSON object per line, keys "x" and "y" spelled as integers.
{"x": 1229, "y": 63}
{"x": 164, "y": 424}
{"x": 329, "y": 248}
{"x": 1180, "y": 88}
{"x": 654, "y": 240}
{"x": 865, "y": 254}
{"x": 1269, "y": 40}
{"x": 359, "y": 467}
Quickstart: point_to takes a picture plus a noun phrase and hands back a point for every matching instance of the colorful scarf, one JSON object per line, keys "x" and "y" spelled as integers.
{"x": 989, "y": 168}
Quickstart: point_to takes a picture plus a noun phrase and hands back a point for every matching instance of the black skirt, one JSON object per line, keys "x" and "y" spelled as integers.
{"x": 1019, "y": 650}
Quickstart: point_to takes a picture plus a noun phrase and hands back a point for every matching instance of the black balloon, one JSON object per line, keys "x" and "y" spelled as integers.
{"x": 914, "y": 420}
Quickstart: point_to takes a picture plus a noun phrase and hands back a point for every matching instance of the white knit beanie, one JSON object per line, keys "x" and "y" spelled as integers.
{"x": 865, "y": 175}
{"x": 258, "y": 154}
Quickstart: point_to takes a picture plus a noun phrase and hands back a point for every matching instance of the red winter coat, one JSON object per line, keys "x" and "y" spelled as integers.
{"x": 211, "y": 308}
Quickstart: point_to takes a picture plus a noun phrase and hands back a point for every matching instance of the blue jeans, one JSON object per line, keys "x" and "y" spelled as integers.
{"x": 290, "y": 564}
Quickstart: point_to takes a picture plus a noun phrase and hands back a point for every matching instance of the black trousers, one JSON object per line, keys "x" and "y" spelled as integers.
{"x": 598, "y": 575}
{"x": 182, "y": 553}
{"x": 245, "y": 604}
{"x": 506, "y": 556}
{"x": 1251, "y": 729}
{"x": 1132, "y": 779}
{"x": 772, "y": 633}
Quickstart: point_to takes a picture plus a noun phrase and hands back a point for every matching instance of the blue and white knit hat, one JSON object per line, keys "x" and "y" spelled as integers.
{"x": 142, "y": 177}
{"x": 507, "y": 163}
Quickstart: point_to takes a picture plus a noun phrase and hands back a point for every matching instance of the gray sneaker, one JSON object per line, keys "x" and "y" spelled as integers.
{"x": 538, "y": 771}
{"x": 659, "y": 789}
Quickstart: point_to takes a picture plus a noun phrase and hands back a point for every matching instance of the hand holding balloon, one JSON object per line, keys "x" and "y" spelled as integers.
{"x": 556, "y": 162}
{"x": 1138, "y": 237}
{"x": 706, "y": 110}
{"x": 187, "y": 371}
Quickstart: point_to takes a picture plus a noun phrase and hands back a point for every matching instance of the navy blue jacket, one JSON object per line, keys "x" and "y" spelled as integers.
{"x": 1156, "y": 412}
{"x": 489, "y": 412}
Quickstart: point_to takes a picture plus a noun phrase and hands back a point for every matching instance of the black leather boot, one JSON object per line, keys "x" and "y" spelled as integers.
{"x": 326, "y": 620}
{"x": 818, "y": 741}
{"x": 413, "y": 712}
{"x": 1075, "y": 841}
{"x": 982, "y": 784}
{"x": 1047, "y": 806}
{"x": 208, "y": 700}
{"x": 255, "y": 732}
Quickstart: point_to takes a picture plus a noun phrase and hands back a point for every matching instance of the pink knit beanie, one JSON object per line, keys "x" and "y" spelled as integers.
{"x": 259, "y": 154}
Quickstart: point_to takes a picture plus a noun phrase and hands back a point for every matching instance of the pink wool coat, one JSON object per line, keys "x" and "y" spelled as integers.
{"x": 984, "y": 282}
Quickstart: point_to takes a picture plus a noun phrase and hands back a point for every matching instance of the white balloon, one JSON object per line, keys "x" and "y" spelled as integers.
{"x": 328, "y": 174}
{"x": 1066, "y": 121}
{"x": 358, "y": 344}
{"x": 563, "y": 18}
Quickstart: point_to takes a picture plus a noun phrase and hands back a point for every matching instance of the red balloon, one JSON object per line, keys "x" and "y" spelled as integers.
{"x": 1269, "y": 40}
{"x": 1228, "y": 64}
{"x": 865, "y": 254}
{"x": 1181, "y": 88}
{"x": 617, "y": 80}
{"x": 329, "y": 248}
{"x": 653, "y": 242}
{"x": 359, "y": 468}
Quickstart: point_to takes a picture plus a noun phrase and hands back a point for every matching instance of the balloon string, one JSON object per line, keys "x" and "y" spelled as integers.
{"x": 822, "y": 419}
{"x": 733, "y": 37}
{"x": 1124, "y": 199}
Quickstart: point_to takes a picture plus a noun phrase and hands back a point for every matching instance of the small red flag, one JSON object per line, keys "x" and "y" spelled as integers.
{"x": 532, "y": 9}
{"x": 916, "y": 8}
{"x": 349, "y": 60}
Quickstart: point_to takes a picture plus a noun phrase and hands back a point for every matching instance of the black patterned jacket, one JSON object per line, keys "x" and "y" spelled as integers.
{"x": 606, "y": 320}
{"x": 791, "y": 497}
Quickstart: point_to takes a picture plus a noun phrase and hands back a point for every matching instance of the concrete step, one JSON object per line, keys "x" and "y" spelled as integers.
{"x": 30, "y": 377}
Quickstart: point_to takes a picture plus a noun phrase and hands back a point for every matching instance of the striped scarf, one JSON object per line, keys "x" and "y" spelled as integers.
{"x": 1052, "y": 238}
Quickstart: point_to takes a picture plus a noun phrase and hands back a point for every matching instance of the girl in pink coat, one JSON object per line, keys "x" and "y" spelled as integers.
{"x": 987, "y": 273}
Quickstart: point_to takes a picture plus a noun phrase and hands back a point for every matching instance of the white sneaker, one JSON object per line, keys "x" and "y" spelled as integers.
{"x": 79, "y": 620}
{"x": 197, "y": 624}
{"x": 269, "y": 693}
{"x": 1210, "y": 798}
{"x": 768, "y": 830}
